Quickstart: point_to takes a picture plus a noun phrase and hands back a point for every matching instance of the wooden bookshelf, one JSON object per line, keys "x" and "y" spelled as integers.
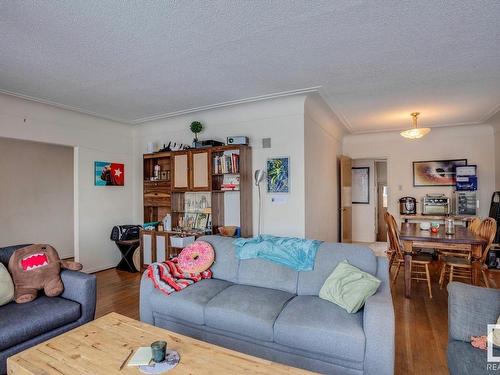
{"x": 195, "y": 171}
{"x": 243, "y": 172}
{"x": 157, "y": 193}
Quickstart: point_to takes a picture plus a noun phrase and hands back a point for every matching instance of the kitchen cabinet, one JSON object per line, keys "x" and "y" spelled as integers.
{"x": 180, "y": 166}
{"x": 191, "y": 170}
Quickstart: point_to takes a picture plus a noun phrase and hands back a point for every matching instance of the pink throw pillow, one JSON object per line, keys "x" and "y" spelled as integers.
{"x": 197, "y": 257}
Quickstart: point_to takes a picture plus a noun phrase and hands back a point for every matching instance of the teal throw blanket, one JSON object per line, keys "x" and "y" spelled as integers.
{"x": 295, "y": 253}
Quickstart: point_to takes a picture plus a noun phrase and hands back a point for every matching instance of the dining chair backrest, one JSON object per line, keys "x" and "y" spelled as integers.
{"x": 487, "y": 230}
{"x": 392, "y": 231}
{"x": 474, "y": 225}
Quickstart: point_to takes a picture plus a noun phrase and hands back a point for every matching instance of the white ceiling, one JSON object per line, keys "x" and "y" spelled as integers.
{"x": 376, "y": 61}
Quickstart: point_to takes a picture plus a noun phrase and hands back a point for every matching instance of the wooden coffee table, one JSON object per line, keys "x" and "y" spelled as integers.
{"x": 102, "y": 346}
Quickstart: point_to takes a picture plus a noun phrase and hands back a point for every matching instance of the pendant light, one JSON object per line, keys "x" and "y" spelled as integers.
{"x": 415, "y": 132}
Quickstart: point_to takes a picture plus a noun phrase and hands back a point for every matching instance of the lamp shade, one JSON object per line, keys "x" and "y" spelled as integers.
{"x": 415, "y": 132}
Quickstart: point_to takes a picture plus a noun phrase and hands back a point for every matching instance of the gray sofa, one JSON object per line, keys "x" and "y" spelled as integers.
{"x": 470, "y": 310}
{"x": 264, "y": 309}
{"x": 25, "y": 325}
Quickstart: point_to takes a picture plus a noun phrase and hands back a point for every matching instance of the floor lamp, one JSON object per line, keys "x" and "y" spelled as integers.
{"x": 259, "y": 176}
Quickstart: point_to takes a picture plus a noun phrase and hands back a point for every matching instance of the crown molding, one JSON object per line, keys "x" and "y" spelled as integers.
{"x": 64, "y": 106}
{"x": 341, "y": 117}
{"x": 308, "y": 90}
{"x": 492, "y": 113}
{"x": 388, "y": 130}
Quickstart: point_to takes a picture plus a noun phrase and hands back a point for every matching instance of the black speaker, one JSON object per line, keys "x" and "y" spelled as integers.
{"x": 495, "y": 213}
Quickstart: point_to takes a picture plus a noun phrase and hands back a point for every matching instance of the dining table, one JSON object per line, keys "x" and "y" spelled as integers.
{"x": 462, "y": 241}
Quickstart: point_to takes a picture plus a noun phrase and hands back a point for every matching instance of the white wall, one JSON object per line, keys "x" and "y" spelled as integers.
{"x": 363, "y": 215}
{"x": 497, "y": 158}
{"x": 36, "y": 195}
{"x": 281, "y": 119}
{"x": 323, "y": 134}
{"x": 495, "y": 122}
{"x": 96, "y": 209}
{"x": 475, "y": 143}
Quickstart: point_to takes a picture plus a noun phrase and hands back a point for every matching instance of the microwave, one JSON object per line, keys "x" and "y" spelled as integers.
{"x": 438, "y": 204}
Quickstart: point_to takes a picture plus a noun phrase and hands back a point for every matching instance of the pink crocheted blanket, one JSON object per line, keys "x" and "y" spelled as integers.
{"x": 169, "y": 278}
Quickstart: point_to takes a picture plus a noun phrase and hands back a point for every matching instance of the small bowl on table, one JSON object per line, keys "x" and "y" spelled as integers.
{"x": 227, "y": 231}
{"x": 425, "y": 225}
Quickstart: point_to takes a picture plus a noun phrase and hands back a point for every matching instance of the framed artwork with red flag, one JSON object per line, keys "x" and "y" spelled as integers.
{"x": 109, "y": 174}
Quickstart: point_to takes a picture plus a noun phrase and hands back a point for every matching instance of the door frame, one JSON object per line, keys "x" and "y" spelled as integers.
{"x": 345, "y": 199}
{"x": 389, "y": 192}
{"x": 378, "y": 197}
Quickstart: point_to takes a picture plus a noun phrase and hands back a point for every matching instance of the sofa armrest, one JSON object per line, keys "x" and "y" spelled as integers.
{"x": 378, "y": 324}
{"x": 145, "y": 308}
{"x": 470, "y": 310}
{"x": 80, "y": 287}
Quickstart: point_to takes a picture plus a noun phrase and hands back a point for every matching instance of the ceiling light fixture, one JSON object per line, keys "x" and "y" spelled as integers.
{"x": 415, "y": 132}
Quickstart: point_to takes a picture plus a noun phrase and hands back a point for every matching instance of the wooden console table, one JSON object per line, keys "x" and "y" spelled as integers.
{"x": 156, "y": 245}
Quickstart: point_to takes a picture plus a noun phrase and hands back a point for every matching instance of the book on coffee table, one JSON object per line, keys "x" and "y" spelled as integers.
{"x": 142, "y": 357}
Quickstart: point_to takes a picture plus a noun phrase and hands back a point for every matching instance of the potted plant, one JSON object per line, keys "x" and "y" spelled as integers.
{"x": 196, "y": 127}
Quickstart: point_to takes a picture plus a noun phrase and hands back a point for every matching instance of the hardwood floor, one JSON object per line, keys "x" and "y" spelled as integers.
{"x": 118, "y": 291}
{"x": 421, "y": 322}
{"x": 421, "y": 327}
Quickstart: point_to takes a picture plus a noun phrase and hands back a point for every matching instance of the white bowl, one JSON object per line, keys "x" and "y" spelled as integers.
{"x": 425, "y": 225}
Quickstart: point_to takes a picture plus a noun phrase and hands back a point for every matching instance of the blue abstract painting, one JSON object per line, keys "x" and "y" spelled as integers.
{"x": 278, "y": 175}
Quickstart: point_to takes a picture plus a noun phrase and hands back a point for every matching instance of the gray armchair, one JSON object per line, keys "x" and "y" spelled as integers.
{"x": 470, "y": 310}
{"x": 25, "y": 325}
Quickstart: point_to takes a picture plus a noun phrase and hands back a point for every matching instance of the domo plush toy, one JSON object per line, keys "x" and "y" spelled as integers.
{"x": 37, "y": 267}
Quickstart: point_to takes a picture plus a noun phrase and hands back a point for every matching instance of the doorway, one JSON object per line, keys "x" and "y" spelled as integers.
{"x": 369, "y": 200}
{"x": 382, "y": 199}
{"x": 37, "y": 195}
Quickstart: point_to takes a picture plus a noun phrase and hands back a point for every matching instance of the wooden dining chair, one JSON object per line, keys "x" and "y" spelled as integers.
{"x": 391, "y": 249}
{"x": 474, "y": 225}
{"x": 484, "y": 265}
{"x": 419, "y": 263}
{"x": 474, "y": 228}
{"x": 457, "y": 267}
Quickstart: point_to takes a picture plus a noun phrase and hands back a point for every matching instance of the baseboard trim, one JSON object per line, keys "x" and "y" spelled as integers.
{"x": 98, "y": 269}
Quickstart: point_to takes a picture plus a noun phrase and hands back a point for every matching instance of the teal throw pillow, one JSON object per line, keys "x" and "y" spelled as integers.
{"x": 349, "y": 287}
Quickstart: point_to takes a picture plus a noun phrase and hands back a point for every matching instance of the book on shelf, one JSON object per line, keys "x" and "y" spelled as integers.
{"x": 230, "y": 188}
{"x": 230, "y": 182}
{"x": 228, "y": 162}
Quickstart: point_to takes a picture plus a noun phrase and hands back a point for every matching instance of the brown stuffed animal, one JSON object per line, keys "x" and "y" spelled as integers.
{"x": 37, "y": 267}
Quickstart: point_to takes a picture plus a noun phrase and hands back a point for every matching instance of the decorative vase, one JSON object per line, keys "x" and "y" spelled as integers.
{"x": 195, "y": 140}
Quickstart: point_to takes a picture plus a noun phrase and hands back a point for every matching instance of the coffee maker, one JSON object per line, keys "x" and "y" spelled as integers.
{"x": 407, "y": 206}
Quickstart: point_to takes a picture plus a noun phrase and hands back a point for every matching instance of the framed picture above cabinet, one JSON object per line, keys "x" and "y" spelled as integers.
{"x": 436, "y": 172}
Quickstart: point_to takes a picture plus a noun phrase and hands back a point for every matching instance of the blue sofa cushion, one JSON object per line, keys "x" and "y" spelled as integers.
{"x": 226, "y": 263}
{"x": 21, "y": 322}
{"x": 321, "y": 327}
{"x": 6, "y": 253}
{"x": 464, "y": 359}
{"x": 267, "y": 274}
{"x": 188, "y": 304}
{"x": 327, "y": 258}
{"x": 470, "y": 310}
{"x": 246, "y": 310}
